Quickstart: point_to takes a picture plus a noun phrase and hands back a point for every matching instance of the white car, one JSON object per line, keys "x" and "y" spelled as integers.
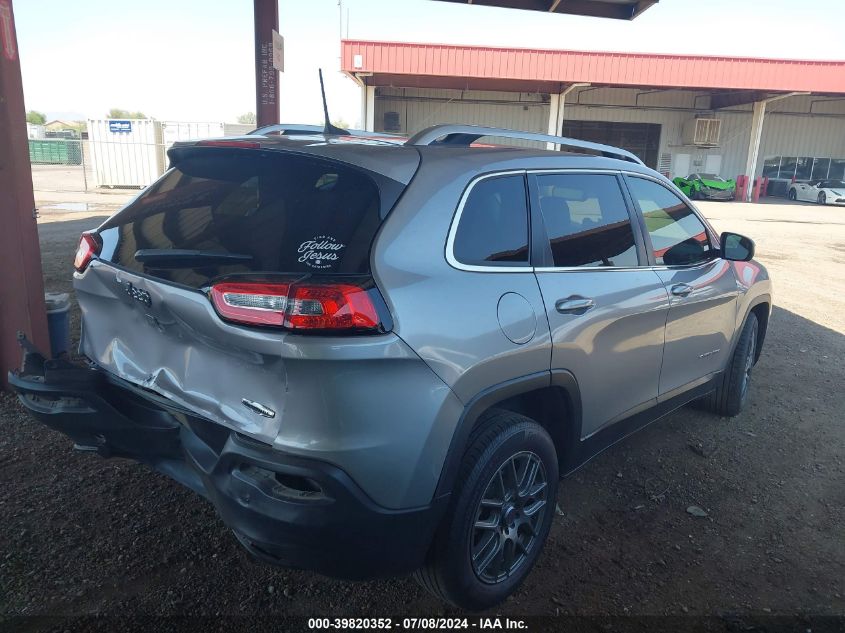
{"x": 821, "y": 191}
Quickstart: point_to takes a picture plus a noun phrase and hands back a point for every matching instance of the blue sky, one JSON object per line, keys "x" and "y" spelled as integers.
{"x": 192, "y": 59}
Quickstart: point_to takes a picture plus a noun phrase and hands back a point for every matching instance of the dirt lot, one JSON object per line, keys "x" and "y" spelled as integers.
{"x": 86, "y": 536}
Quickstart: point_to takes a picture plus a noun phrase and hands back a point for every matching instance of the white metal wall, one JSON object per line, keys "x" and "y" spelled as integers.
{"x": 789, "y": 128}
{"x": 786, "y": 133}
{"x": 419, "y": 108}
{"x": 669, "y": 108}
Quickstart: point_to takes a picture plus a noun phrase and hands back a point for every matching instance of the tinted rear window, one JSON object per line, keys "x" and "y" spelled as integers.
{"x": 278, "y": 213}
{"x": 493, "y": 229}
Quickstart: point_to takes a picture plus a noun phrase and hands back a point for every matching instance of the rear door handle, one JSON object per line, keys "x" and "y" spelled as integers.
{"x": 681, "y": 290}
{"x": 574, "y": 305}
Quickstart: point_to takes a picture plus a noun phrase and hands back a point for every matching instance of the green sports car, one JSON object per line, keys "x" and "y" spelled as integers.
{"x": 706, "y": 187}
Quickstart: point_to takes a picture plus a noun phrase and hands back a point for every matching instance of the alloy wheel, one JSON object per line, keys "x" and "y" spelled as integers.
{"x": 509, "y": 517}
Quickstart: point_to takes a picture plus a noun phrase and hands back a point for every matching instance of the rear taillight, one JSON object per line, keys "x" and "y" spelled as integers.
{"x": 89, "y": 247}
{"x": 253, "y": 303}
{"x": 303, "y": 306}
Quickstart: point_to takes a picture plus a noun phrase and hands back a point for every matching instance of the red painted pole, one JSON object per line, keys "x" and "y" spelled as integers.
{"x": 266, "y": 77}
{"x": 741, "y": 184}
{"x": 22, "y": 286}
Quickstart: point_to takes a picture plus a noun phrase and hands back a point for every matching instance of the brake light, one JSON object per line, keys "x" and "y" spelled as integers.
{"x": 89, "y": 247}
{"x": 227, "y": 143}
{"x": 300, "y": 306}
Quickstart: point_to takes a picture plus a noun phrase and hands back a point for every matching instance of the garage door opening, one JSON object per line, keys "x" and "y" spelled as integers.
{"x": 642, "y": 139}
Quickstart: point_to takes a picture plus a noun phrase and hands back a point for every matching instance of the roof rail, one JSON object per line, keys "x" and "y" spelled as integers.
{"x": 468, "y": 134}
{"x": 285, "y": 129}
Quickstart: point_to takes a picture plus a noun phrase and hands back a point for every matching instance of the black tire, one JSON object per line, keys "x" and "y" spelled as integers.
{"x": 730, "y": 396}
{"x": 822, "y": 199}
{"x": 451, "y": 572}
{"x": 792, "y": 195}
{"x": 693, "y": 193}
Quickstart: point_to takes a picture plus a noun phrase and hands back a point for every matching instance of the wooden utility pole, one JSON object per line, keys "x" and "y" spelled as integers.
{"x": 266, "y": 77}
{"x": 21, "y": 283}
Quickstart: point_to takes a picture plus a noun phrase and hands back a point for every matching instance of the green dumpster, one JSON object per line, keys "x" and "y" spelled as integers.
{"x": 55, "y": 151}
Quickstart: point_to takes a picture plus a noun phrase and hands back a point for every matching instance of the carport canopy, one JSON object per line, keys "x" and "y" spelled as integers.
{"x": 618, "y": 9}
{"x": 730, "y": 80}
{"x": 721, "y": 81}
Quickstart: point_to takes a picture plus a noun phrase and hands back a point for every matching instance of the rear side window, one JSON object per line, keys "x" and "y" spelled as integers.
{"x": 587, "y": 221}
{"x": 493, "y": 227}
{"x": 230, "y": 212}
{"x": 678, "y": 237}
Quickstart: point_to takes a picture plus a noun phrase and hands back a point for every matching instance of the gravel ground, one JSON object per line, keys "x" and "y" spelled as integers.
{"x": 82, "y": 535}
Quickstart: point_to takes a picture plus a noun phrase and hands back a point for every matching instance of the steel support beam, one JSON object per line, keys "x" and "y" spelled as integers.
{"x": 266, "y": 77}
{"x": 757, "y": 118}
{"x": 557, "y": 102}
{"x": 721, "y": 100}
{"x": 368, "y": 107}
{"x": 22, "y": 288}
{"x": 754, "y": 144}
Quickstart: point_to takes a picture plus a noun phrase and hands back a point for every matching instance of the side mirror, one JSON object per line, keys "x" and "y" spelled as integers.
{"x": 735, "y": 247}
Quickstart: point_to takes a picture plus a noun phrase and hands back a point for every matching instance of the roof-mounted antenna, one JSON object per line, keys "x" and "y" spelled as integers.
{"x": 328, "y": 128}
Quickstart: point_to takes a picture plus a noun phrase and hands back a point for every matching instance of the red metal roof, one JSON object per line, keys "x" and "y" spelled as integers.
{"x": 480, "y": 67}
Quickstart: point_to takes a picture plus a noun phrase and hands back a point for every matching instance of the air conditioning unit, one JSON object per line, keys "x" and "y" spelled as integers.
{"x": 702, "y": 132}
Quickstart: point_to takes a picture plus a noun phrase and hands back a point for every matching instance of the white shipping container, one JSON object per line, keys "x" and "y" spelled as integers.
{"x": 133, "y": 153}
{"x": 125, "y": 153}
{"x": 237, "y": 129}
{"x": 34, "y": 131}
{"x": 172, "y": 131}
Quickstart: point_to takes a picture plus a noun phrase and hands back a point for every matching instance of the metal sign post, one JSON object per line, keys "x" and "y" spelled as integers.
{"x": 266, "y": 76}
{"x": 22, "y": 287}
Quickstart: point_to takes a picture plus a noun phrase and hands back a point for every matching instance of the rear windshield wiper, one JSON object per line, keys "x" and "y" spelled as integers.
{"x": 184, "y": 258}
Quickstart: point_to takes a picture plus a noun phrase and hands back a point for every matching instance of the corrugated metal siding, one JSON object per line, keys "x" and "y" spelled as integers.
{"x": 787, "y": 135}
{"x": 803, "y": 103}
{"x": 419, "y": 108}
{"x": 783, "y": 134}
{"x": 631, "y": 69}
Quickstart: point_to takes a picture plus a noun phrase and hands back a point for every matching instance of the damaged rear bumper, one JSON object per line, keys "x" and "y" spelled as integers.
{"x": 284, "y": 509}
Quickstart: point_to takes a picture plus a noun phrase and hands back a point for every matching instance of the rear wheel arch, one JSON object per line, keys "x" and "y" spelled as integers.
{"x": 761, "y": 307}
{"x": 761, "y": 310}
{"x": 551, "y": 399}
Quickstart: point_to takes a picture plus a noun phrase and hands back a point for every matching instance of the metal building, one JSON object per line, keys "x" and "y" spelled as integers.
{"x": 783, "y": 119}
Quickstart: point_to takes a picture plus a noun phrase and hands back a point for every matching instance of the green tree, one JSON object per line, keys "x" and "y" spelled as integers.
{"x": 117, "y": 113}
{"x": 341, "y": 123}
{"x": 36, "y": 118}
{"x": 249, "y": 117}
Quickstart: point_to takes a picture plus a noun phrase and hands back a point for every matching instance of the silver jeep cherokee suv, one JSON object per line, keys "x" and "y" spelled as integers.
{"x": 376, "y": 356}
